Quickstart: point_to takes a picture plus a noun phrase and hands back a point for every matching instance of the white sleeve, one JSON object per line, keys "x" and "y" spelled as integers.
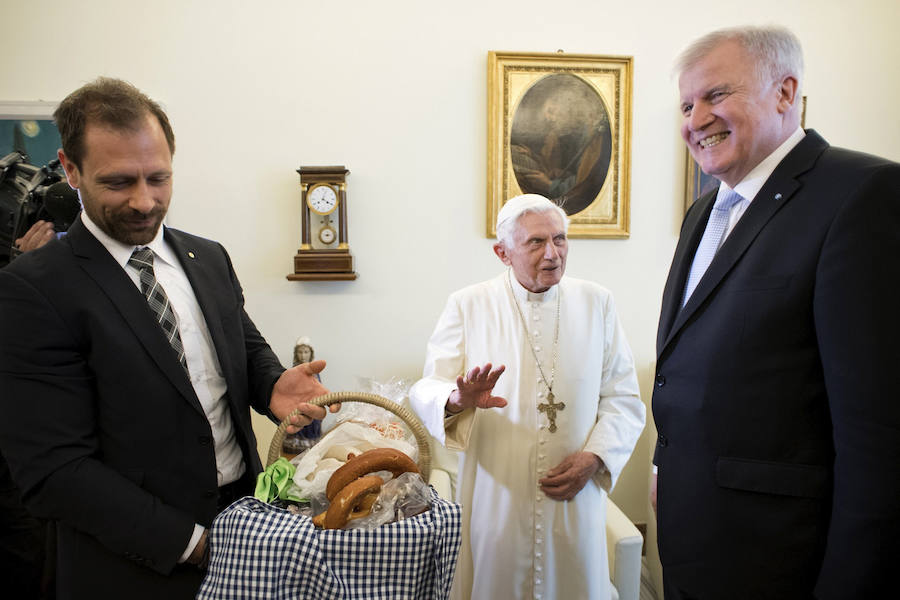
{"x": 621, "y": 414}
{"x": 192, "y": 543}
{"x": 445, "y": 360}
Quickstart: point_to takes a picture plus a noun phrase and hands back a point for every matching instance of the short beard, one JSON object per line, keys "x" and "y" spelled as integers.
{"x": 131, "y": 237}
{"x": 117, "y": 230}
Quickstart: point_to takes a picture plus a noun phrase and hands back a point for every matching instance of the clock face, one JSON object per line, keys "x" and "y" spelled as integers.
{"x": 322, "y": 199}
{"x": 327, "y": 235}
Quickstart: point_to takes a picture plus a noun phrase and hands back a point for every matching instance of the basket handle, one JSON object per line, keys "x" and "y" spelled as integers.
{"x": 408, "y": 417}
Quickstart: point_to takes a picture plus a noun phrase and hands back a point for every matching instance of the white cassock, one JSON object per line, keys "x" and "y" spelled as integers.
{"x": 517, "y": 542}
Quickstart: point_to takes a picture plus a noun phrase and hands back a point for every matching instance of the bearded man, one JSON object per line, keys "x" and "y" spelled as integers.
{"x": 129, "y": 366}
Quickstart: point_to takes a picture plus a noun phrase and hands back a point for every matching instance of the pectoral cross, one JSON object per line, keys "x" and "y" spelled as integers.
{"x": 551, "y": 409}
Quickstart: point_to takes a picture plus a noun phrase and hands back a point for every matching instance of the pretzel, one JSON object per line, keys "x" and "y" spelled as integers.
{"x": 350, "y": 497}
{"x": 319, "y": 519}
{"x": 364, "y": 509}
{"x": 371, "y": 461}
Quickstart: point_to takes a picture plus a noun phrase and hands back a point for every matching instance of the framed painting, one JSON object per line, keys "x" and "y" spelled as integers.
{"x": 559, "y": 125}
{"x": 697, "y": 183}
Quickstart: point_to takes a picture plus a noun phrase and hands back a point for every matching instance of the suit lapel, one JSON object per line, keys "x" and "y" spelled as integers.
{"x": 115, "y": 283}
{"x": 779, "y": 188}
{"x": 691, "y": 233}
{"x": 206, "y": 283}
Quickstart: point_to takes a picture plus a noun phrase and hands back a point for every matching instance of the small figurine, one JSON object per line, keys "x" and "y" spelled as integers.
{"x": 296, "y": 443}
{"x": 303, "y": 351}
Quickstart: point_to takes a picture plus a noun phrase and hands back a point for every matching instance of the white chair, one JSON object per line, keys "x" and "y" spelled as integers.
{"x": 623, "y": 543}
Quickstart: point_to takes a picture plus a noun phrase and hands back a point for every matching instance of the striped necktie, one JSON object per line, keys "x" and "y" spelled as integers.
{"x": 142, "y": 260}
{"x": 712, "y": 239}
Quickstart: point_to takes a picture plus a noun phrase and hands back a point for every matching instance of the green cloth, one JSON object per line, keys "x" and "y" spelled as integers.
{"x": 276, "y": 482}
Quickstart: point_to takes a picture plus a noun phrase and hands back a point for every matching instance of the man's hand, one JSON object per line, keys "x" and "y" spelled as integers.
{"x": 39, "y": 234}
{"x": 566, "y": 479}
{"x": 294, "y": 389}
{"x": 474, "y": 390}
{"x": 653, "y": 492}
{"x": 200, "y": 554}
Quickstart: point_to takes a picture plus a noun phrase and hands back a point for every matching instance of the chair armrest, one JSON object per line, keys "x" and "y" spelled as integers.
{"x": 440, "y": 481}
{"x": 623, "y": 545}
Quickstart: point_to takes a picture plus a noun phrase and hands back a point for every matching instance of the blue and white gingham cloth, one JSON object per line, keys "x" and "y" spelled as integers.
{"x": 260, "y": 551}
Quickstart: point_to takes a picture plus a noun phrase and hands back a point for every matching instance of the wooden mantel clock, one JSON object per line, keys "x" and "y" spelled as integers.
{"x": 324, "y": 254}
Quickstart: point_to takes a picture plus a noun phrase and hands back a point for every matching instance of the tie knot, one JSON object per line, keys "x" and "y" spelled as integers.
{"x": 141, "y": 258}
{"x": 727, "y": 200}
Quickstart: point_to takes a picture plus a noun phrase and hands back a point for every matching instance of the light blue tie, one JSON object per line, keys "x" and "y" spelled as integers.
{"x": 712, "y": 239}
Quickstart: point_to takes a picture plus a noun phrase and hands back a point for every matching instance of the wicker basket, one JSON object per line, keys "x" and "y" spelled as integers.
{"x": 406, "y": 415}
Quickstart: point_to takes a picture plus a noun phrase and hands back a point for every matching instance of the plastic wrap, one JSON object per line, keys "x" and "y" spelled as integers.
{"x": 316, "y": 465}
{"x": 358, "y": 427}
{"x": 386, "y": 422}
{"x": 404, "y": 496}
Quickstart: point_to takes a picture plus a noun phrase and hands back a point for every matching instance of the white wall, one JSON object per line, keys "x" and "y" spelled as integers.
{"x": 396, "y": 91}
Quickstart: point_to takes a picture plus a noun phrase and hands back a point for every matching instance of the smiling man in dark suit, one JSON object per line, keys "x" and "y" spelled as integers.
{"x": 775, "y": 399}
{"x": 128, "y": 366}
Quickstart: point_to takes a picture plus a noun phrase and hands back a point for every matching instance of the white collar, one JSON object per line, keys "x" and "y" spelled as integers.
{"x": 750, "y": 185}
{"x": 523, "y": 294}
{"x": 121, "y": 251}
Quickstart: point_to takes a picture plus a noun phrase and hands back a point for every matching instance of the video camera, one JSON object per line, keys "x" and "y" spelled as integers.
{"x": 29, "y": 194}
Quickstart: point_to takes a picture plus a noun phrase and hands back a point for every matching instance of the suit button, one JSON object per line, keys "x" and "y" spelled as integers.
{"x": 660, "y": 380}
{"x": 211, "y": 493}
{"x": 662, "y": 441}
{"x": 204, "y": 440}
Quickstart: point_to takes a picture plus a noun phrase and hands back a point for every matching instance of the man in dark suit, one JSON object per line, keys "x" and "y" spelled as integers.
{"x": 127, "y": 420}
{"x": 775, "y": 400}
{"x": 26, "y": 561}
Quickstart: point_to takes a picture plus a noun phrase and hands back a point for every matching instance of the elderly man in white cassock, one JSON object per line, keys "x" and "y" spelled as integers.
{"x": 529, "y": 375}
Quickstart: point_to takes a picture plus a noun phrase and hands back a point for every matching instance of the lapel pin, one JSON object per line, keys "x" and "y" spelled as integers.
{"x": 778, "y": 196}
{"x": 191, "y": 254}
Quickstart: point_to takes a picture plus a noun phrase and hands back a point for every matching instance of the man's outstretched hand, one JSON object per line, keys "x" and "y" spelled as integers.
{"x": 295, "y": 388}
{"x": 474, "y": 390}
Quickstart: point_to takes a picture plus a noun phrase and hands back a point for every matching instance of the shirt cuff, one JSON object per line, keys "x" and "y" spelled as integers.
{"x": 195, "y": 538}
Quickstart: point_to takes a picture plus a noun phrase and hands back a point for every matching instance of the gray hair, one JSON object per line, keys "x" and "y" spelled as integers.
{"x": 775, "y": 50}
{"x": 514, "y": 208}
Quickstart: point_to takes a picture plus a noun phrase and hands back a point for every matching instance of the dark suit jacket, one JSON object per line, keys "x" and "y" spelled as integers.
{"x": 98, "y": 420}
{"x": 775, "y": 399}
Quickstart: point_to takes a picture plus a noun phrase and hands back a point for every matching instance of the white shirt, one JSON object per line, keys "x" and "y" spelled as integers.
{"x": 199, "y": 351}
{"x": 750, "y": 185}
{"x": 517, "y": 542}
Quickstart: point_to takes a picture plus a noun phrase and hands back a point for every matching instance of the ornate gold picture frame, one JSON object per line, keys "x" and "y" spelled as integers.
{"x": 559, "y": 125}
{"x": 696, "y": 182}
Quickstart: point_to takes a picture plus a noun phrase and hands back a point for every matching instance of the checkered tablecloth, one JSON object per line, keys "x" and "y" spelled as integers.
{"x": 259, "y": 551}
